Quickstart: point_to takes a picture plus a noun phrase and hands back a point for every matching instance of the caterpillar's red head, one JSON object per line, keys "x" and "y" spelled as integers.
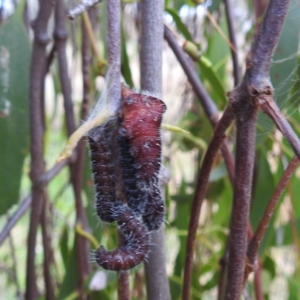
{"x": 140, "y": 114}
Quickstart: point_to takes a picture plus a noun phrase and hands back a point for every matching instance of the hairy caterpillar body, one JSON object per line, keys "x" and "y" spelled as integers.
{"x": 139, "y": 134}
{"x": 135, "y": 242}
{"x": 154, "y": 213}
{"x": 103, "y": 167}
{"x": 136, "y": 197}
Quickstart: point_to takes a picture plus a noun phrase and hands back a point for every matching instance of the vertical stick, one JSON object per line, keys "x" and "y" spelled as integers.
{"x": 49, "y": 287}
{"x": 123, "y": 285}
{"x": 76, "y": 169}
{"x": 151, "y": 80}
{"x": 114, "y": 52}
{"x": 246, "y": 121}
{"x": 234, "y": 55}
{"x": 36, "y": 138}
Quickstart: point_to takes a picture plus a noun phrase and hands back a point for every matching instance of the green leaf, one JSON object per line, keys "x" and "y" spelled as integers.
{"x": 14, "y": 89}
{"x": 179, "y": 24}
{"x": 270, "y": 266}
{"x": 70, "y": 282}
{"x": 63, "y": 245}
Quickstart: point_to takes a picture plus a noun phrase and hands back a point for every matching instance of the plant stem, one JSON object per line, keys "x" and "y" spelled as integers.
{"x": 263, "y": 225}
{"x": 201, "y": 187}
{"x": 36, "y": 138}
{"x": 209, "y": 106}
{"x": 234, "y": 55}
{"x": 207, "y": 103}
{"x": 49, "y": 287}
{"x": 123, "y": 285}
{"x": 246, "y": 122}
{"x": 114, "y": 52}
{"x": 245, "y": 100}
{"x": 151, "y": 80}
{"x": 270, "y": 108}
{"x": 76, "y": 169}
{"x": 60, "y": 37}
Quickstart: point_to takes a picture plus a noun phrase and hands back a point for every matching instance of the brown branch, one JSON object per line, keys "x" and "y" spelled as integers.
{"x": 25, "y": 204}
{"x": 246, "y": 121}
{"x": 209, "y": 106}
{"x": 270, "y": 108}
{"x": 114, "y": 52}
{"x": 260, "y": 231}
{"x": 201, "y": 187}
{"x": 123, "y": 285}
{"x": 259, "y": 294}
{"x": 76, "y": 169}
{"x": 207, "y": 103}
{"x": 259, "y": 8}
{"x": 60, "y": 37}
{"x": 260, "y": 57}
{"x": 49, "y": 295}
{"x": 234, "y": 55}
{"x": 36, "y": 138}
{"x": 85, "y": 62}
{"x": 246, "y": 100}
{"x": 151, "y": 80}
{"x": 211, "y": 112}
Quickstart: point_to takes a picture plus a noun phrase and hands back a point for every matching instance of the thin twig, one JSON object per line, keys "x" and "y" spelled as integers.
{"x": 209, "y": 106}
{"x": 60, "y": 36}
{"x": 263, "y": 225}
{"x": 270, "y": 108}
{"x": 232, "y": 36}
{"x": 207, "y": 103}
{"x": 86, "y": 62}
{"x": 259, "y": 294}
{"x": 157, "y": 284}
{"x": 114, "y": 52}
{"x": 77, "y": 168}
{"x": 293, "y": 226}
{"x": 92, "y": 39}
{"x": 201, "y": 187}
{"x": 259, "y": 8}
{"x": 215, "y": 24}
{"x": 123, "y": 285}
{"x": 36, "y": 138}
{"x": 25, "y": 204}
{"x": 49, "y": 287}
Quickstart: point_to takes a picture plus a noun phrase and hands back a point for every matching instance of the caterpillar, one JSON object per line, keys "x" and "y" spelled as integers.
{"x": 135, "y": 242}
{"x": 140, "y": 142}
{"x": 103, "y": 167}
{"x": 154, "y": 210}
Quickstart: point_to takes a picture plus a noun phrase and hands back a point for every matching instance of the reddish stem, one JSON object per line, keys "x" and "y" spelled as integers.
{"x": 201, "y": 187}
